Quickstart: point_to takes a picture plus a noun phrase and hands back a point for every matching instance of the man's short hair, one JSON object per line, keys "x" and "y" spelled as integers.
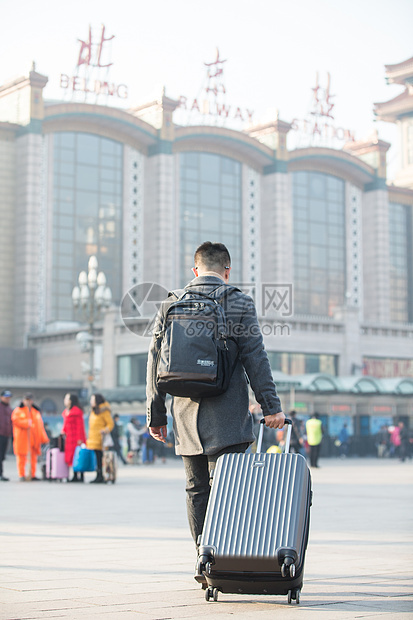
{"x": 212, "y": 256}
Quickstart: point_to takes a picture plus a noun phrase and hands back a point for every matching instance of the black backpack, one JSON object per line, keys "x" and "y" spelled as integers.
{"x": 194, "y": 360}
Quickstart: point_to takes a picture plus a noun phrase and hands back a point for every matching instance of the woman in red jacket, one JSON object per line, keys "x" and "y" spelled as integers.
{"x": 74, "y": 429}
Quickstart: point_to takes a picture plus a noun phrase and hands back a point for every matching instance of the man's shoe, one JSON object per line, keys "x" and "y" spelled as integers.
{"x": 4, "y": 478}
{"x": 22, "y": 479}
{"x": 34, "y": 478}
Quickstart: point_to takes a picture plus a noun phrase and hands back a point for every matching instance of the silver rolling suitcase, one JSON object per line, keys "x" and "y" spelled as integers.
{"x": 256, "y": 527}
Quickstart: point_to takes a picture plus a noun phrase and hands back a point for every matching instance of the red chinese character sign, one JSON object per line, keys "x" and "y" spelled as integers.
{"x": 323, "y": 100}
{"x": 86, "y": 56}
{"x": 90, "y": 81}
{"x": 318, "y": 128}
{"x": 215, "y": 76}
{"x": 212, "y": 107}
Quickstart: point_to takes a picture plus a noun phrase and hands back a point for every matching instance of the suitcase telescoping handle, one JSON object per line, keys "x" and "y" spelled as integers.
{"x": 287, "y": 441}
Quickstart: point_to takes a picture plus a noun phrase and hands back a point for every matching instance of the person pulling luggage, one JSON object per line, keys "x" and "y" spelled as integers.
{"x": 210, "y": 412}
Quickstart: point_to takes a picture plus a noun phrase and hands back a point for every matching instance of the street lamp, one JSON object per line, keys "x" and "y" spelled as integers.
{"x": 91, "y": 297}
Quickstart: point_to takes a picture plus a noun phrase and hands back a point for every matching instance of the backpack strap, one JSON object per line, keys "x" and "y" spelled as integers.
{"x": 176, "y": 293}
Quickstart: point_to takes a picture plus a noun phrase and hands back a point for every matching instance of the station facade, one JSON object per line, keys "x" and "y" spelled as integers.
{"x": 318, "y": 236}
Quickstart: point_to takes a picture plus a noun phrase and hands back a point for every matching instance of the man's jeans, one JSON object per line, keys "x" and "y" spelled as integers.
{"x": 198, "y": 472}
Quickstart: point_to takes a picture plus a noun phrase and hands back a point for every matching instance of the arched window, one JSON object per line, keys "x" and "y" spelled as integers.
{"x": 87, "y": 214}
{"x": 210, "y": 208}
{"x": 319, "y": 243}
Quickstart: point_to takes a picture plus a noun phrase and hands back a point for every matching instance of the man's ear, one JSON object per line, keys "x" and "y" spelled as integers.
{"x": 226, "y": 274}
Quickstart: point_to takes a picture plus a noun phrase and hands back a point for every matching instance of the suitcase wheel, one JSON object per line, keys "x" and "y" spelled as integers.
{"x": 288, "y": 569}
{"x": 294, "y": 595}
{"x": 211, "y": 593}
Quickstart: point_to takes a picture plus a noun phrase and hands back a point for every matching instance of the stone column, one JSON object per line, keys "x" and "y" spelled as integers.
{"x": 350, "y": 360}
{"x": 29, "y": 249}
{"x": 251, "y": 234}
{"x": 161, "y": 250}
{"x": 276, "y": 210}
{"x": 375, "y": 225}
{"x": 133, "y": 207}
{"x": 21, "y": 102}
{"x": 108, "y": 375}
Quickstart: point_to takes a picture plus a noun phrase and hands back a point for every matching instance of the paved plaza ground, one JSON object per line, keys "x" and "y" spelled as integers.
{"x": 120, "y": 552}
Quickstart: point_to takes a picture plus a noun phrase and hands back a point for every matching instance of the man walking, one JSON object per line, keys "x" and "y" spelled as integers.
{"x": 314, "y": 437}
{"x": 206, "y": 428}
{"x": 28, "y": 436}
{"x": 5, "y": 427}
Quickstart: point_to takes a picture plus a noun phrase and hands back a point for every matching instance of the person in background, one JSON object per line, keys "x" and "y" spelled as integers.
{"x": 5, "y": 428}
{"x": 395, "y": 441}
{"x": 314, "y": 437}
{"x": 100, "y": 423}
{"x": 343, "y": 438}
{"x": 116, "y": 435}
{"x": 74, "y": 430}
{"x": 148, "y": 448}
{"x": 135, "y": 433}
{"x": 28, "y": 436}
{"x": 404, "y": 442}
{"x": 297, "y": 442}
{"x": 383, "y": 442}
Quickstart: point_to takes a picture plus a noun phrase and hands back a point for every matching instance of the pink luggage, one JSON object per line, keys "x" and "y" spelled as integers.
{"x": 56, "y": 467}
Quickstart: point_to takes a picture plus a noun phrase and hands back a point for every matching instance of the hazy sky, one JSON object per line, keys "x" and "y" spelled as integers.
{"x": 273, "y": 49}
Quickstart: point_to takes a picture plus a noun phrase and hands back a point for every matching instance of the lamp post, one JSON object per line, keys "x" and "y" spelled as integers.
{"x": 91, "y": 297}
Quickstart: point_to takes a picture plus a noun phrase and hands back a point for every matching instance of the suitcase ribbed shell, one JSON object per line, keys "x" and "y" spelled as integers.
{"x": 259, "y": 503}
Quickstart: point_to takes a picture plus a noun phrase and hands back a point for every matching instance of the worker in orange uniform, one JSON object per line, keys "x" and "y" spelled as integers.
{"x": 28, "y": 436}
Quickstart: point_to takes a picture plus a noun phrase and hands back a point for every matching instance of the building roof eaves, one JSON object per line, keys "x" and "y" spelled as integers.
{"x": 126, "y": 121}
{"x": 340, "y": 162}
{"x": 394, "y": 108}
{"x": 398, "y": 71}
{"x": 215, "y": 135}
{"x": 400, "y": 194}
{"x": 11, "y": 127}
{"x": 16, "y": 82}
{"x": 399, "y": 65}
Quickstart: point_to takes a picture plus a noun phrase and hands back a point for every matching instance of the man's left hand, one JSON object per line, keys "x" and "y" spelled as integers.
{"x": 277, "y": 420}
